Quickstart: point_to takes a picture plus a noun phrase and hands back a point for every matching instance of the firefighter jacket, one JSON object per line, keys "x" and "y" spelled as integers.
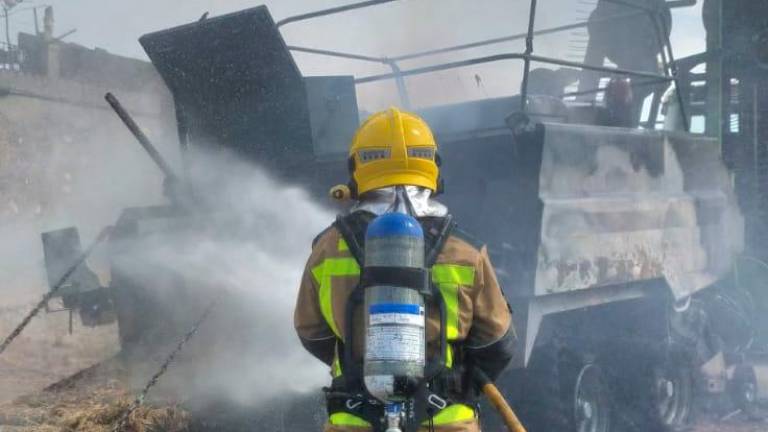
{"x": 478, "y": 319}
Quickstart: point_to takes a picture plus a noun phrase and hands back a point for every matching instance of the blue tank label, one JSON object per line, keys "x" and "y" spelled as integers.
{"x": 394, "y": 225}
{"x": 400, "y": 308}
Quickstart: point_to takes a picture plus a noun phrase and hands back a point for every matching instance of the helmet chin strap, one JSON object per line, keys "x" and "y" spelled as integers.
{"x": 402, "y": 203}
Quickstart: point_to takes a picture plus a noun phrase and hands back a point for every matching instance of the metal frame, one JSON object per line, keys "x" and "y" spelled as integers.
{"x": 528, "y": 57}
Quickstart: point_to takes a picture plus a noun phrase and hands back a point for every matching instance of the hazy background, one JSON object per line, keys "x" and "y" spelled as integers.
{"x": 386, "y": 30}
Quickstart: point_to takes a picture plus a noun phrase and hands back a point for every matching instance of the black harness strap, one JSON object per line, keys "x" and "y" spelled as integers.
{"x": 440, "y": 237}
{"x": 353, "y": 232}
{"x": 413, "y": 278}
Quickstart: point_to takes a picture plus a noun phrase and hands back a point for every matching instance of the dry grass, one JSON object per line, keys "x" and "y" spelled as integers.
{"x": 94, "y": 402}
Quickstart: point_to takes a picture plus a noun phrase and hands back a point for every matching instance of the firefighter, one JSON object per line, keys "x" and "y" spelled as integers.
{"x": 397, "y": 149}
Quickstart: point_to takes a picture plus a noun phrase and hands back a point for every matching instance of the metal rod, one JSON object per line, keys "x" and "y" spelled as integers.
{"x": 659, "y": 28}
{"x": 599, "y": 89}
{"x": 182, "y": 129}
{"x": 527, "y": 60}
{"x": 331, "y": 11}
{"x": 460, "y": 47}
{"x": 509, "y": 56}
{"x": 338, "y": 54}
{"x": 140, "y": 136}
{"x": 681, "y": 3}
{"x": 402, "y": 90}
{"x": 615, "y": 71}
{"x": 653, "y": 114}
{"x": 673, "y": 71}
{"x": 439, "y": 67}
{"x": 670, "y": 4}
{"x": 59, "y": 38}
{"x": 511, "y": 37}
{"x": 755, "y": 140}
{"x": 37, "y": 26}
{"x": 630, "y": 5}
{"x": 7, "y": 29}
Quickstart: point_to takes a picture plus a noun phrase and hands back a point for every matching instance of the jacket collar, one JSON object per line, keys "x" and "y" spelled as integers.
{"x": 379, "y": 201}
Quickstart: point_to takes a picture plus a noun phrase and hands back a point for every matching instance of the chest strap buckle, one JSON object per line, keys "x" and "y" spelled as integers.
{"x": 436, "y": 401}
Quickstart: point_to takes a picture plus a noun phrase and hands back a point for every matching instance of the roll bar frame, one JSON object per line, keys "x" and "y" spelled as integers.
{"x": 527, "y": 57}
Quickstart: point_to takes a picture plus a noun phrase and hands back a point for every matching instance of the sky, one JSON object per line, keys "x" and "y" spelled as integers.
{"x": 386, "y": 30}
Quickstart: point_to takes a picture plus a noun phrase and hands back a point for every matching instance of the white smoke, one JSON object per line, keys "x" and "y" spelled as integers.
{"x": 250, "y": 241}
{"x": 62, "y": 165}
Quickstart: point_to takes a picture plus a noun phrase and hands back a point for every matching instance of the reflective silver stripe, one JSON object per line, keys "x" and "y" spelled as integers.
{"x": 369, "y": 155}
{"x": 421, "y": 152}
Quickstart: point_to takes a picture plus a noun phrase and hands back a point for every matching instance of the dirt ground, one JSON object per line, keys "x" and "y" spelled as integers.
{"x": 46, "y": 352}
{"x": 96, "y": 399}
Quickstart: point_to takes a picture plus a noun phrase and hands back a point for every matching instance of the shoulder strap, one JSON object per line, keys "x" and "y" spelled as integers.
{"x": 436, "y": 233}
{"x": 469, "y": 238}
{"x": 352, "y": 228}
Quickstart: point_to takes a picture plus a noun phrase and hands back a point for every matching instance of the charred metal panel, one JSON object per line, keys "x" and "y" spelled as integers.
{"x": 333, "y": 113}
{"x": 236, "y": 86}
{"x": 624, "y": 205}
{"x": 492, "y": 189}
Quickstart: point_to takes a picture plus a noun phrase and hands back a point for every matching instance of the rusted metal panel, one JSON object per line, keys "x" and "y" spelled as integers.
{"x": 624, "y": 205}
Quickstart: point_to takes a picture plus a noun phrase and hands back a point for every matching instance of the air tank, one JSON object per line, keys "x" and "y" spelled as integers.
{"x": 394, "y": 280}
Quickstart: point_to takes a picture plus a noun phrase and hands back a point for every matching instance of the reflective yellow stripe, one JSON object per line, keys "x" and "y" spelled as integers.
{"x": 343, "y": 246}
{"x": 450, "y": 294}
{"x": 453, "y": 414}
{"x": 336, "y": 367}
{"x": 323, "y": 273}
{"x": 448, "y": 277}
{"x": 452, "y": 273}
{"x": 336, "y": 364}
{"x": 449, "y": 356}
{"x": 346, "y": 419}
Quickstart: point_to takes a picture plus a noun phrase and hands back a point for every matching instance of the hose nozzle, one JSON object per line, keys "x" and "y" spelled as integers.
{"x": 340, "y": 193}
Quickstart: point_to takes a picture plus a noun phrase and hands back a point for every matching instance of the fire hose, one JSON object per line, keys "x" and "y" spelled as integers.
{"x": 497, "y": 400}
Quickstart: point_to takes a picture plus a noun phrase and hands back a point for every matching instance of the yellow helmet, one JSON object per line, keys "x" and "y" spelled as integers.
{"x": 392, "y": 148}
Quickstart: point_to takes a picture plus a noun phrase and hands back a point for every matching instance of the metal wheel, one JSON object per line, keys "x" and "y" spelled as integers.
{"x": 672, "y": 394}
{"x": 743, "y": 389}
{"x": 591, "y": 405}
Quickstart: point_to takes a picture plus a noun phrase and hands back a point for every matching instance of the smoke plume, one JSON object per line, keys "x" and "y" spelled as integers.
{"x": 243, "y": 243}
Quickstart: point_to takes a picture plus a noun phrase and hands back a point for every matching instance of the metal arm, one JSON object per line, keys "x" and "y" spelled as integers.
{"x": 139, "y": 134}
{"x": 510, "y": 56}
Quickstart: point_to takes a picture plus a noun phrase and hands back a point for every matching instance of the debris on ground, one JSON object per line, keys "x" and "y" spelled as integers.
{"x": 91, "y": 401}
